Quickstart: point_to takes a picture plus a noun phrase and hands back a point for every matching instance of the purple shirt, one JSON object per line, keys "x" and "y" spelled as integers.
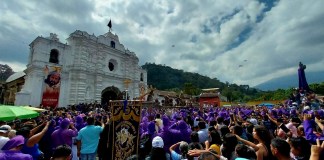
{"x": 63, "y": 136}
{"x": 14, "y": 155}
{"x": 308, "y": 129}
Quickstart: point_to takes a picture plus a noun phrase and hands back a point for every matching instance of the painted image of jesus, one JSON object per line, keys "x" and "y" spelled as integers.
{"x": 53, "y": 82}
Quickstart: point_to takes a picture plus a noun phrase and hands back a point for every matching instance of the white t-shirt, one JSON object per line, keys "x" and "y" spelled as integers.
{"x": 3, "y": 141}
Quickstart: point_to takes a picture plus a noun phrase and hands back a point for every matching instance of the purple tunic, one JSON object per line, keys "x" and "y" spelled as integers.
{"x": 309, "y": 134}
{"x": 14, "y": 155}
{"x": 63, "y": 136}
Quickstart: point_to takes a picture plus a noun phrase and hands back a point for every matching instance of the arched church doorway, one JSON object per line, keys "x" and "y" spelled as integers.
{"x": 110, "y": 93}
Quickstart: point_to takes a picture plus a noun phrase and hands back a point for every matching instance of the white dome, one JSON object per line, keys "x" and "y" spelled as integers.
{"x": 15, "y": 76}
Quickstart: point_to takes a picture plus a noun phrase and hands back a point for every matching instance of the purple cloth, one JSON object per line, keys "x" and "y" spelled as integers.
{"x": 181, "y": 132}
{"x": 309, "y": 134}
{"x": 65, "y": 123}
{"x": 14, "y": 155}
{"x": 302, "y": 82}
{"x": 14, "y": 142}
{"x": 320, "y": 113}
{"x": 143, "y": 125}
{"x": 79, "y": 124}
{"x": 63, "y": 136}
{"x": 293, "y": 113}
{"x": 274, "y": 114}
{"x": 151, "y": 128}
{"x": 165, "y": 133}
{"x": 166, "y": 121}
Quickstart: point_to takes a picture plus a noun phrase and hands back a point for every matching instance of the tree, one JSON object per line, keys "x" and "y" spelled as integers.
{"x": 228, "y": 93}
{"x": 190, "y": 89}
{"x": 5, "y": 72}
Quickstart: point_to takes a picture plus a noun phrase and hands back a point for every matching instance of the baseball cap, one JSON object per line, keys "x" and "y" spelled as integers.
{"x": 253, "y": 121}
{"x": 306, "y": 107}
{"x": 157, "y": 142}
{"x": 5, "y": 128}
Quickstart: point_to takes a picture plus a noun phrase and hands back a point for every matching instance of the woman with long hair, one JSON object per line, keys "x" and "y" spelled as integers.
{"x": 214, "y": 140}
{"x": 228, "y": 147}
{"x": 262, "y": 148}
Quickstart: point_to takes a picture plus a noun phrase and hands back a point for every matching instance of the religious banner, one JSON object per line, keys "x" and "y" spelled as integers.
{"x": 125, "y": 121}
{"x": 52, "y": 84}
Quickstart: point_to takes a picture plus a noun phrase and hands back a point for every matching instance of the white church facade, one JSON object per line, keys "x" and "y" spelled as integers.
{"x": 91, "y": 69}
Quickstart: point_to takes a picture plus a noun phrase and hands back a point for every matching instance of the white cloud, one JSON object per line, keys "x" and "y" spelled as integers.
{"x": 204, "y": 37}
{"x": 15, "y": 66}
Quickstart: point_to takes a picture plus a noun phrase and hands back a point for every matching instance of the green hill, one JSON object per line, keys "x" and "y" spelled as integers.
{"x": 166, "y": 78}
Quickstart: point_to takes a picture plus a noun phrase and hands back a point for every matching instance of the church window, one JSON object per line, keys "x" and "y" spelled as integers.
{"x": 142, "y": 77}
{"x": 111, "y": 66}
{"x": 54, "y": 56}
{"x": 112, "y": 44}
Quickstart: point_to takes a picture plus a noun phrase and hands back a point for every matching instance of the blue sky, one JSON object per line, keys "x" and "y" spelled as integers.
{"x": 211, "y": 37}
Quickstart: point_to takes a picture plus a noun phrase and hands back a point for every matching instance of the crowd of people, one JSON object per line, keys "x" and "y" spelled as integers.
{"x": 292, "y": 130}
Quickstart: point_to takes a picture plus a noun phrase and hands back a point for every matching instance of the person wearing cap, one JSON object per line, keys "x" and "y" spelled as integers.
{"x": 12, "y": 150}
{"x": 157, "y": 151}
{"x": 4, "y": 130}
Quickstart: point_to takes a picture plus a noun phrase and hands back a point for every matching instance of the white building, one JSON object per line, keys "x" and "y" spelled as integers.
{"x": 93, "y": 68}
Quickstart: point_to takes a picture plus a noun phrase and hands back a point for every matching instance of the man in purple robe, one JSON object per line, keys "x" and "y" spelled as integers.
{"x": 165, "y": 133}
{"x": 64, "y": 135}
{"x": 309, "y": 125}
{"x": 12, "y": 150}
{"x": 79, "y": 123}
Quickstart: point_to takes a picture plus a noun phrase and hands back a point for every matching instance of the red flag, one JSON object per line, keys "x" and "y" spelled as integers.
{"x": 109, "y": 24}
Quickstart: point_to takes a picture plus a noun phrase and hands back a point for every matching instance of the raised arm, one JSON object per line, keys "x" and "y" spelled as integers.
{"x": 172, "y": 148}
{"x": 319, "y": 123}
{"x": 273, "y": 120}
{"x": 34, "y": 139}
{"x": 308, "y": 129}
{"x": 35, "y": 130}
{"x": 316, "y": 150}
{"x": 254, "y": 146}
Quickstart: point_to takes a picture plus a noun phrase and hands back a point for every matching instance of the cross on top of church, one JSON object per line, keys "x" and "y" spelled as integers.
{"x": 109, "y": 25}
